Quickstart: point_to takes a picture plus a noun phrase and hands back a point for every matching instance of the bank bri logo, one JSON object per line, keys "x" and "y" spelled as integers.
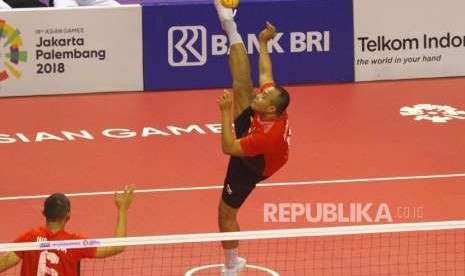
{"x": 187, "y": 46}
{"x": 10, "y": 39}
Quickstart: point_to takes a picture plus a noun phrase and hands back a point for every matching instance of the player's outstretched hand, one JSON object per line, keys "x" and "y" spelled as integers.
{"x": 268, "y": 33}
{"x": 123, "y": 200}
{"x": 225, "y": 101}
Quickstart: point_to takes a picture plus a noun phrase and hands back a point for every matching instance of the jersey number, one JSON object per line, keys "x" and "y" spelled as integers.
{"x": 42, "y": 269}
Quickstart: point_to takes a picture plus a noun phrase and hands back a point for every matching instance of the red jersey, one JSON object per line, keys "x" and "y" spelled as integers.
{"x": 54, "y": 262}
{"x": 270, "y": 139}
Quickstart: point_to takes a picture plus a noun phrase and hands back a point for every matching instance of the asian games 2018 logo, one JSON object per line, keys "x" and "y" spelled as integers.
{"x": 10, "y": 54}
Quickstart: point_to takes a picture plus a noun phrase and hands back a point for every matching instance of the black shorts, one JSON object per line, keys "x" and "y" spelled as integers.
{"x": 243, "y": 172}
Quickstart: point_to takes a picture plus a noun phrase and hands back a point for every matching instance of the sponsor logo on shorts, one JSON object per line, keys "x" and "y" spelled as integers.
{"x": 228, "y": 189}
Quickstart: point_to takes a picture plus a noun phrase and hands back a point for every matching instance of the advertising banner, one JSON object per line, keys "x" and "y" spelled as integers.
{"x": 400, "y": 39}
{"x": 72, "y": 50}
{"x": 184, "y": 46}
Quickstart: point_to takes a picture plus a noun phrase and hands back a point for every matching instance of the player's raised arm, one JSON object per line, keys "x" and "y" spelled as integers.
{"x": 229, "y": 144}
{"x": 264, "y": 64}
{"x": 123, "y": 201}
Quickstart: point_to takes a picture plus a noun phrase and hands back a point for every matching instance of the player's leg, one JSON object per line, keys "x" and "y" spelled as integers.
{"x": 239, "y": 64}
{"x": 65, "y": 3}
{"x": 227, "y": 221}
{"x": 242, "y": 85}
{"x": 238, "y": 185}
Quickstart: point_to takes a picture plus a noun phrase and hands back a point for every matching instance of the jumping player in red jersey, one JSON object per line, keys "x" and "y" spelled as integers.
{"x": 62, "y": 262}
{"x": 259, "y": 144}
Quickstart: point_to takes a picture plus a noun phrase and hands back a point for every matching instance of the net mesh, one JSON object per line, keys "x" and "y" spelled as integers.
{"x": 397, "y": 249}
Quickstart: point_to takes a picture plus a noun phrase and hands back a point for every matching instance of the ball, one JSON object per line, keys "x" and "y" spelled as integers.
{"x": 230, "y": 4}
